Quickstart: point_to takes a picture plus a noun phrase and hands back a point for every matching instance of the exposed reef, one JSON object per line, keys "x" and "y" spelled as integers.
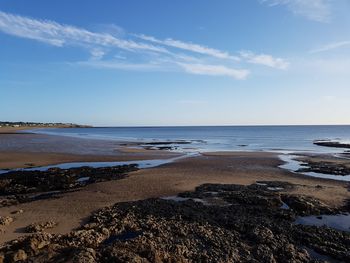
{"x": 254, "y": 223}
{"x": 329, "y": 143}
{"x": 29, "y": 185}
{"x": 325, "y": 164}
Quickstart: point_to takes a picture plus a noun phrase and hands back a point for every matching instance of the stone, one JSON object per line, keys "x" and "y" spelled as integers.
{"x": 20, "y": 255}
{"x": 20, "y": 211}
{"x": 5, "y": 221}
{"x": 39, "y": 227}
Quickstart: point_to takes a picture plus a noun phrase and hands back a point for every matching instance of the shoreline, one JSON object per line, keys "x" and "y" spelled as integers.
{"x": 26, "y": 150}
{"x": 122, "y": 151}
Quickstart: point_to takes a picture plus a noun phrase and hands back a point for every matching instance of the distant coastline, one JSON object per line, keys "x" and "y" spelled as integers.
{"x": 14, "y": 127}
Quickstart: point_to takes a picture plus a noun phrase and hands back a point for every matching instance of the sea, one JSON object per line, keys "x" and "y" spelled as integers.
{"x": 220, "y": 138}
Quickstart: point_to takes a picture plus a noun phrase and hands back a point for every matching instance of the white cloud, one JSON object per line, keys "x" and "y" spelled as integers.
{"x": 247, "y": 56}
{"x": 331, "y": 46}
{"x": 215, "y": 70}
{"x": 59, "y": 35}
{"x": 264, "y": 59}
{"x": 198, "y": 69}
{"x": 122, "y": 65}
{"x": 316, "y": 10}
{"x": 190, "y": 47}
{"x": 120, "y": 50}
{"x": 97, "y": 54}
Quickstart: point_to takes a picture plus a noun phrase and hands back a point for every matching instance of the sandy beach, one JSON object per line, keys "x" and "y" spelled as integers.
{"x": 71, "y": 209}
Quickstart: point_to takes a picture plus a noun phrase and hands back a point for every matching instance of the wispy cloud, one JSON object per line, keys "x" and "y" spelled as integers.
{"x": 215, "y": 70}
{"x": 63, "y": 35}
{"x": 190, "y": 47}
{"x": 331, "y": 46}
{"x": 115, "y": 64}
{"x": 316, "y": 10}
{"x": 121, "y": 50}
{"x": 264, "y": 59}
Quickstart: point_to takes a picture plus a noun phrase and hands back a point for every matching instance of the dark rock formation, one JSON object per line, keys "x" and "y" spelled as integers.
{"x": 331, "y": 144}
{"x": 324, "y": 167}
{"x": 250, "y": 225}
{"x": 29, "y": 185}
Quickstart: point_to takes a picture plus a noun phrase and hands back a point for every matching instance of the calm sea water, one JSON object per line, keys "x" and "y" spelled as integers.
{"x": 218, "y": 138}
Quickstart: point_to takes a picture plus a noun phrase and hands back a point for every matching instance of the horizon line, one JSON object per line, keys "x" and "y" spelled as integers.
{"x": 221, "y": 125}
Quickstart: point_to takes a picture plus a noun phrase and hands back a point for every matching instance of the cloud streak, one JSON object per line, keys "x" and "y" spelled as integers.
{"x": 316, "y": 10}
{"x": 264, "y": 59}
{"x": 331, "y": 46}
{"x": 190, "y": 47}
{"x": 215, "y": 70}
{"x": 62, "y": 35}
{"x": 137, "y": 52}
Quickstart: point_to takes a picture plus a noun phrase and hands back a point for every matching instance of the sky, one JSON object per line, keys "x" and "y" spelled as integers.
{"x": 185, "y": 62}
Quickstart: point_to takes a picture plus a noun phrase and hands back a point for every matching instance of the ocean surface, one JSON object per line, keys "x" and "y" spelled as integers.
{"x": 221, "y": 138}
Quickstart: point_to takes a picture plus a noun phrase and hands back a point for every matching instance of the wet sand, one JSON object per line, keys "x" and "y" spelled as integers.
{"x": 71, "y": 209}
{"x": 18, "y": 150}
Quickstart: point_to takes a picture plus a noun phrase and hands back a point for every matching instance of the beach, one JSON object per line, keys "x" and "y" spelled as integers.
{"x": 71, "y": 209}
{"x": 175, "y": 131}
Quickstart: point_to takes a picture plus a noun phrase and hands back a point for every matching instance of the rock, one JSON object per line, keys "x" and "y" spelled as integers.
{"x": 39, "y": 227}
{"x": 86, "y": 255}
{"x": 15, "y": 188}
{"x": 265, "y": 254}
{"x": 20, "y": 255}
{"x": 17, "y": 212}
{"x": 262, "y": 235}
{"x": 251, "y": 226}
{"x": 8, "y": 201}
{"x": 36, "y": 243}
{"x": 328, "y": 143}
{"x": 305, "y": 205}
{"x": 5, "y": 221}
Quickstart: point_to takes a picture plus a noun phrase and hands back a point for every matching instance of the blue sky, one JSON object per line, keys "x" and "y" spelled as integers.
{"x": 159, "y": 62}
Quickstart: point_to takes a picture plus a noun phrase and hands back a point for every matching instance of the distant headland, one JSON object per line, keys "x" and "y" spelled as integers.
{"x": 13, "y": 127}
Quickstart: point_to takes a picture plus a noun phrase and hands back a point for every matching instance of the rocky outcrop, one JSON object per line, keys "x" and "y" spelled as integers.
{"x": 324, "y": 167}
{"x": 328, "y": 143}
{"x": 249, "y": 224}
{"x": 29, "y": 185}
